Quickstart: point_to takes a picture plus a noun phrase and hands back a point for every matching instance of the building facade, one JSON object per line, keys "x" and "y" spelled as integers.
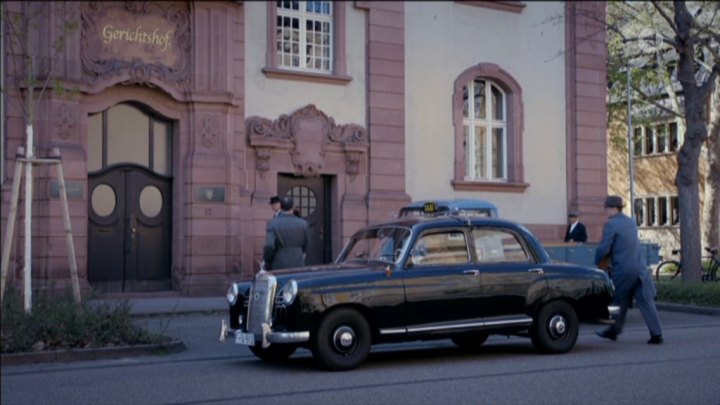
{"x": 656, "y": 143}
{"x": 186, "y": 117}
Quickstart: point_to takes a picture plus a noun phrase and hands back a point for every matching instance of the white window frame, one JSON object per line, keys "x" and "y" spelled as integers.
{"x": 644, "y": 219}
{"x": 649, "y": 134}
{"x": 303, "y": 16}
{"x": 470, "y": 123}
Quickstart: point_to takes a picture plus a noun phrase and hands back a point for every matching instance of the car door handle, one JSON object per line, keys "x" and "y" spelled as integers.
{"x": 537, "y": 270}
{"x": 473, "y": 272}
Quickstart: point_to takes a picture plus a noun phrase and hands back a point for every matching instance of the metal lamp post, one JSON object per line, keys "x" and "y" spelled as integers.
{"x": 631, "y": 146}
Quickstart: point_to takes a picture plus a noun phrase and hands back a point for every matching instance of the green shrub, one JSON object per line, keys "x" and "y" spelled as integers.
{"x": 57, "y": 321}
{"x": 705, "y": 294}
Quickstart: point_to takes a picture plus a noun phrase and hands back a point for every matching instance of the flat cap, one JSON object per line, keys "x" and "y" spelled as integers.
{"x": 614, "y": 201}
{"x": 274, "y": 199}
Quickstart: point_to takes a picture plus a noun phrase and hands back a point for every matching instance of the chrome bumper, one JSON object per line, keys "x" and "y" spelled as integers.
{"x": 613, "y": 310}
{"x": 268, "y": 336}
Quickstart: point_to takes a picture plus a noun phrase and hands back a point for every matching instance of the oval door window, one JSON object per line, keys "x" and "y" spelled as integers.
{"x": 151, "y": 201}
{"x": 304, "y": 199}
{"x": 104, "y": 200}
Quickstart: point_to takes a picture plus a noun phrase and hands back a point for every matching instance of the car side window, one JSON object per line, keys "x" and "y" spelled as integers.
{"x": 448, "y": 247}
{"x": 496, "y": 245}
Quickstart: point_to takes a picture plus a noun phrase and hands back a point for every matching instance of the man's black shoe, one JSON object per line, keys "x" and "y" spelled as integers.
{"x": 607, "y": 334}
{"x": 655, "y": 340}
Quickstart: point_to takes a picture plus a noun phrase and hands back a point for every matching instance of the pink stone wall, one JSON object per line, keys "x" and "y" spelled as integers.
{"x": 586, "y": 119}
{"x": 386, "y": 105}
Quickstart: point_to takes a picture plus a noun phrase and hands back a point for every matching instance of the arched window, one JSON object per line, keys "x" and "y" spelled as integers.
{"x": 488, "y": 122}
{"x": 127, "y": 134}
{"x": 484, "y": 131}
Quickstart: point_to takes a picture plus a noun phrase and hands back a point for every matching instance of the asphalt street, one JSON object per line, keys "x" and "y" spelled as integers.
{"x": 684, "y": 370}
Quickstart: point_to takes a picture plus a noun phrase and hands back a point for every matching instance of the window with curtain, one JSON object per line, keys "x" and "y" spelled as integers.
{"x": 304, "y": 35}
{"x": 484, "y": 128}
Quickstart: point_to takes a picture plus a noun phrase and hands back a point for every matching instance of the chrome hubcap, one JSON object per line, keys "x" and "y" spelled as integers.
{"x": 344, "y": 339}
{"x": 558, "y": 326}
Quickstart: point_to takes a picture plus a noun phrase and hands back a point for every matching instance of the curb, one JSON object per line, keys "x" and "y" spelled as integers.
{"x": 164, "y": 313}
{"x": 693, "y": 309}
{"x": 98, "y": 353}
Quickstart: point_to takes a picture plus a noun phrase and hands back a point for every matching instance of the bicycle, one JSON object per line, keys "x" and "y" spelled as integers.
{"x": 671, "y": 268}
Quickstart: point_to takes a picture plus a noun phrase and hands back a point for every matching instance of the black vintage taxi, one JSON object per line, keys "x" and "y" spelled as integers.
{"x": 414, "y": 278}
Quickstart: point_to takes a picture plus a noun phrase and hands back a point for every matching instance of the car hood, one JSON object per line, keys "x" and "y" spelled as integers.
{"x": 328, "y": 271}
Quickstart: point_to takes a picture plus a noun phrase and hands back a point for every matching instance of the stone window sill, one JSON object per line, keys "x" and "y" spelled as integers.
{"x": 275, "y": 73}
{"x": 464, "y": 185}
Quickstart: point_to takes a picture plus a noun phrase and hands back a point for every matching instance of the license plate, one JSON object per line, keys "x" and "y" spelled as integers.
{"x": 247, "y": 339}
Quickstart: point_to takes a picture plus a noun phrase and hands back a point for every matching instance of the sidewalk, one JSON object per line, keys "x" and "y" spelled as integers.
{"x": 176, "y": 305}
{"x": 165, "y": 303}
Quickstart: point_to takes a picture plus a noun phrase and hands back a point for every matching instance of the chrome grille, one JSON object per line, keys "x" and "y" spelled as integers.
{"x": 262, "y": 293}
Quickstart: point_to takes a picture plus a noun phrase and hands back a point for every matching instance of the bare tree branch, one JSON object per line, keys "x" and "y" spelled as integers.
{"x": 669, "y": 19}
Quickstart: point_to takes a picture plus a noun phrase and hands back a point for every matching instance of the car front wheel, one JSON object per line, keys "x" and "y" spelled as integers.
{"x": 342, "y": 341}
{"x": 555, "y": 328}
{"x": 275, "y": 352}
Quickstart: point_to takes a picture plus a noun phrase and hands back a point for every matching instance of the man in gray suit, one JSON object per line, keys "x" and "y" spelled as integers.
{"x": 631, "y": 278}
{"x": 287, "y": 239}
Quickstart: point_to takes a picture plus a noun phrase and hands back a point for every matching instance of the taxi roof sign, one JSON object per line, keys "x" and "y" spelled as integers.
{"x": 458, "y": 206}
{"x": 429, "y": 207}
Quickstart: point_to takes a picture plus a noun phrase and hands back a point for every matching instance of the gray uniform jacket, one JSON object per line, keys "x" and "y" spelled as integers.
{"x": 286, "y": 242}
{"x": 629, "y": 274}
{"x": 620, "y": 241}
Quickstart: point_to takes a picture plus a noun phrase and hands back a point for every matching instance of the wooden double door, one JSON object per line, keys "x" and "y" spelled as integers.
{"x": 130, "y": 225}
{"x": 130, "y": 199}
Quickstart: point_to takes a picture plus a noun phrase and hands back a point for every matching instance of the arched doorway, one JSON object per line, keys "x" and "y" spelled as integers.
{"x": 311, "y": 196}
{"x": 130, "y": 200}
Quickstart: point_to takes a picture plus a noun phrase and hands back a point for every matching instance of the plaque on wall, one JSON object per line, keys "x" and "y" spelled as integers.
{"x": 144, "y": 39}
{"x": 74, "y": 189}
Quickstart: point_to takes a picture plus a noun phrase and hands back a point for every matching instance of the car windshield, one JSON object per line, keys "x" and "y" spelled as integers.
{"x": 385, "y": 244}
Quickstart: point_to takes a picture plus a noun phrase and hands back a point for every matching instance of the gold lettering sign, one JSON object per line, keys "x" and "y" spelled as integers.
{"x": 149, "y": 38}
{"x": 144, "y": 41}
{"x": 111, "y": 33}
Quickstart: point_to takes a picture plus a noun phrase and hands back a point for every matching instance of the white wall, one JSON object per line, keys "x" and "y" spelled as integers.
{"x": 443, "y": 39}
{"x": 270, "y": 98}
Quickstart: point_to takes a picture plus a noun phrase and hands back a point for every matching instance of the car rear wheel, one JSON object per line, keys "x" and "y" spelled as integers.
{"x": 275, "y": 352}
{"x": 342, "y": 341}
{"x": 555, "y": 328}
{"x": 469, "y": 341}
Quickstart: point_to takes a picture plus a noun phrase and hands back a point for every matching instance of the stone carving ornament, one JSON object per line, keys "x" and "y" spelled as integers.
{"x": 65, "y": 122}
{"x": 97, "y": 67}
{"x": 209, "y": 131}
{"x": 306, "y": 135}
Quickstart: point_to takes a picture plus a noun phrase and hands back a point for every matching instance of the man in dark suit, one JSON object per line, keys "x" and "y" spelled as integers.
{"x": 629, "y": 274}
{"x": 575, "y": 231}
{"x": 287, "y": 239}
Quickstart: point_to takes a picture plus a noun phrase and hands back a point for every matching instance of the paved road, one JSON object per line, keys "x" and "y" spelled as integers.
{"x": 685, "y": 370}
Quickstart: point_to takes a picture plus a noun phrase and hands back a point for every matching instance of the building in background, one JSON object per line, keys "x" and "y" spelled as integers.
{"x": 656, "y": 144}
{"x": 189, "y": 116}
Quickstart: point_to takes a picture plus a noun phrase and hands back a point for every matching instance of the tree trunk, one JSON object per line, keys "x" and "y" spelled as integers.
{"x": 688, "y": 177}
{"x": 687, "y": 181}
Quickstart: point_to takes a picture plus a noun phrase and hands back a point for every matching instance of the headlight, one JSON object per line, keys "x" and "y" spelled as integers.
{"x": 288, "y": 293}
{"x": 232, "y": 294}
